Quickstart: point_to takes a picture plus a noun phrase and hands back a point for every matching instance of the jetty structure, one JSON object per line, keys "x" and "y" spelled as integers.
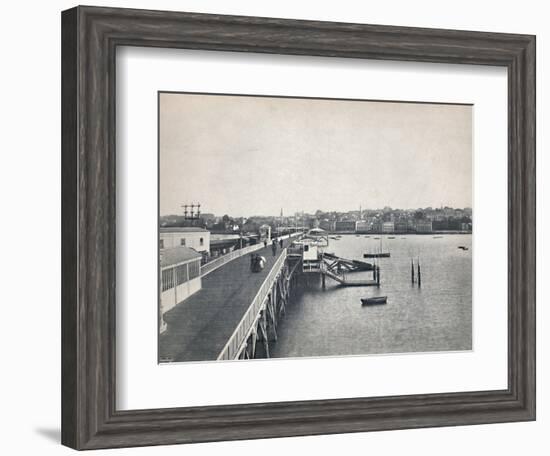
{"x": 235, "y": 312}
{"x": 311, "y": 249}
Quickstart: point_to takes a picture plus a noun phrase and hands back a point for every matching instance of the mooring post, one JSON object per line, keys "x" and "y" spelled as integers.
{"x": 419, "y": 276}
{"x": 412, "y": 271}
{"x": 378, "y": 276}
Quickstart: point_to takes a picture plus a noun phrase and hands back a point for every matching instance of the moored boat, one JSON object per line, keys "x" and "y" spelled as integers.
{"x": 374, "y": 300}
{"x": 377, "y": 255}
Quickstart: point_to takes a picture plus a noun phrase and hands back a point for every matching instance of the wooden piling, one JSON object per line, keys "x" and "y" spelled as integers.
{"x": 419, "y": 276}
{"x": 412, "y": 271}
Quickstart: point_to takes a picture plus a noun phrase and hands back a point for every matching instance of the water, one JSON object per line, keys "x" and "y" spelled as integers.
{"x": 435, "y": 317}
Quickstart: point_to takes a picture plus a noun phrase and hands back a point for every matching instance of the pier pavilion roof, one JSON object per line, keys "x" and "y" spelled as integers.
{"x": 177, "y": 255}
{"x": 182, "y": 229}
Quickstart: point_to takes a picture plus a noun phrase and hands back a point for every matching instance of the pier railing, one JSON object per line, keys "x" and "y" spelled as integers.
{"x": 224, "y": 259}
{"x": 231, "y": 348}
{"x": 215, "y": 264}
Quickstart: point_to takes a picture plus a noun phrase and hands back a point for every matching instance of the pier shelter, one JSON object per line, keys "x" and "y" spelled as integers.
{"x": 189, "y": 236}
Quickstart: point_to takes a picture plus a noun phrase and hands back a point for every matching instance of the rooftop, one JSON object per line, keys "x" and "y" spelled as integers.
{"x": 182, "y": 229}
{"x": 177, "y": 255}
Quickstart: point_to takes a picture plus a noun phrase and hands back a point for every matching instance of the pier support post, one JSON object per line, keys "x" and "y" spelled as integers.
{"x": 378, "y": 276}
{"x": 412, "y": 272}
{"x": 271, "y": 319}
{"x": 323, "y": 281}
{"x": 283, "y": 284}
{"x": 262, "y": 333}
{"x": 419, "y": 276}
{"x": 252, "y": 343}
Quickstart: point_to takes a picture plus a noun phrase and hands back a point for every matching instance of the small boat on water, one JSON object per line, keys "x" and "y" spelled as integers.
{"x": 391, "y": 237}
{"x": 438, "y": 237}
{"x": 374, "y": 300}
{"x": 377, "y": 255}
{"x": 462, "y": 247}
{"x": 367, "y": 236}
{"x": 380, "y": 253}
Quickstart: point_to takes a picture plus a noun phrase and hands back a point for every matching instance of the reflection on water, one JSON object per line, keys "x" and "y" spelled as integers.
{"x": 435, "y": 317}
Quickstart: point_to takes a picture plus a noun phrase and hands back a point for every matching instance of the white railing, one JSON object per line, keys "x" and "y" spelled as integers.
{"x": 215, "y": 264}
{"x": 231, "y": 348}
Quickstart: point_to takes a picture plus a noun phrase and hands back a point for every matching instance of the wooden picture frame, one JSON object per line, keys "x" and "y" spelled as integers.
{"x": 90, "y": 37}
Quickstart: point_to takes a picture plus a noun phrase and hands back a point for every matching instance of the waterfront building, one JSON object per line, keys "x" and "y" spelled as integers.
{"x": 388, "y": 227}
{"x": 362, "y": 226}
{"x": 327, "y": 225}
{"x": 424, "y": 226}
{"x": 376, "y": 226}
{"x": 180, "y": 277}
{"x": 345, "y": 226}
{"x": 402, "y": 226}
{"x": 190, "y": 236}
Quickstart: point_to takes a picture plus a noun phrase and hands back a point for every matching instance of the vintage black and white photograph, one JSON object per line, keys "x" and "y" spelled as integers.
{"x": 297, "y": 227}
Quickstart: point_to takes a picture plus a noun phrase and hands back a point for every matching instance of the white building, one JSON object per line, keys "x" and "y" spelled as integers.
{"x": 180, "y": 277}
{"x": 192, "y": 237}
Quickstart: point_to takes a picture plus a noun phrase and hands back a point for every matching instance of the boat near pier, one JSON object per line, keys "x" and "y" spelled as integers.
{"x": 377, "y": 300}
{"x": 377, "y": 255}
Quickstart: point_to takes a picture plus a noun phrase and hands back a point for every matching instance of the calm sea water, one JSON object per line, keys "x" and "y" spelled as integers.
{"x": 435, "y": 317}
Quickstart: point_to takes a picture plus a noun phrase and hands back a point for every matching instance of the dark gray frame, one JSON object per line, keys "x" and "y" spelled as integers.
{"x": 90, "y": 36}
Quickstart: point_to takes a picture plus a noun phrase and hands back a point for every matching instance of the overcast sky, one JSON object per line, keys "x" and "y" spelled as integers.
{"x": 244, "y": 156}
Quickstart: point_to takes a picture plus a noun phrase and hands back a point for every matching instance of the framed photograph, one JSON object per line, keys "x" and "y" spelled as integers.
{"x": 279, "y": 228}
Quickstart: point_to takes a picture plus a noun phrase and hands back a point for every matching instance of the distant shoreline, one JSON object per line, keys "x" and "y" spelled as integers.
{"x": 400, "y": 233}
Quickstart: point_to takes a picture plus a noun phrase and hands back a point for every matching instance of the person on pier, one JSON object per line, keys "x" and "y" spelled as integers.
{"x": 274, "y": 247}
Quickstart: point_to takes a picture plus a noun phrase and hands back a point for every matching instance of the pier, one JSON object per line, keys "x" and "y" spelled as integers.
{"x": 234, "y": 315}
{"x": 346, "y": 281}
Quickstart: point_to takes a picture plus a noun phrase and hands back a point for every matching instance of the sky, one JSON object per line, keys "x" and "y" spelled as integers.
{"x": 243, "y": 156}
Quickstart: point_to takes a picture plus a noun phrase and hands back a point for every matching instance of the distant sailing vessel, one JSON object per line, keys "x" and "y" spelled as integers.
{"x": 374, "y": 301}
{"x": 379, "y": 254}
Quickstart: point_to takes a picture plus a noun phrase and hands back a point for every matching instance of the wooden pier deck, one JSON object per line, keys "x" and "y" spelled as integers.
{"x": 199, "y": 328}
